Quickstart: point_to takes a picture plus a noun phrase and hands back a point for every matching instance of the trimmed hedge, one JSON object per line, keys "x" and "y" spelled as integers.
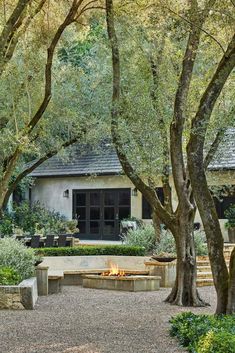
{"x": 204, "y": 333}
{"x": 83, "y": 250}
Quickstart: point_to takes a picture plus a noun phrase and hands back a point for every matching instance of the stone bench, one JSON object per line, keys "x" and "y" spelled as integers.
{"x": 55, "y": 271}
{"x": 55, "y": 281}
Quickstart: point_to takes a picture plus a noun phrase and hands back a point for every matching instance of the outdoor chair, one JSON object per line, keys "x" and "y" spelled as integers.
{"x": 35, "y": 241}
{"x": 49, "y": 242}
{"x": 62, "y": 240}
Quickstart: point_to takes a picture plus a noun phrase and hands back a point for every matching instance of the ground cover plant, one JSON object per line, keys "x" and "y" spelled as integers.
{"x": 119, "y": 250}
{"x": 204, "y": 333}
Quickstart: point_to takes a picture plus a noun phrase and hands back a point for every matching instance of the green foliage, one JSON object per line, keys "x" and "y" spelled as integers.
{"x": 230, "y": 215}
{"x": 201, "y": 333}
{"x": 6, "y": 225}
{"x": 200, "y": 243}
{"x": 219, "y": 342}
{"x": 9, "y": 276}
{"x": 143, "y": 236}
{"x": 15, "y": 255}
{"x": 119, "y": 250}
{"x": 35, "y": 219}
{"x": 167, "y": 243}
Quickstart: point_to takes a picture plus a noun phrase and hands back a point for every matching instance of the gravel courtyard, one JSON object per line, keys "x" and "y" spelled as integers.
{"x": 83, "y": 320}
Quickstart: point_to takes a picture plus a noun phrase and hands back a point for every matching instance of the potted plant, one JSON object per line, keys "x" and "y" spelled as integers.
{"x": 230, "y": 224}
{"x": 164, "y": 257}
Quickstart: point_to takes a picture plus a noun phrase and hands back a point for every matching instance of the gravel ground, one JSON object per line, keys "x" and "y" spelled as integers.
{"x": 83, "y": 320}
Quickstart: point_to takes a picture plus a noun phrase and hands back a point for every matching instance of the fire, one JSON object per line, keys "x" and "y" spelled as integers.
{"x": 114, "y": 271}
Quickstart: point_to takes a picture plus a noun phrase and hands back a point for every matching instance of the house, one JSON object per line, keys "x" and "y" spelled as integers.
{"x": 90, "y": 186}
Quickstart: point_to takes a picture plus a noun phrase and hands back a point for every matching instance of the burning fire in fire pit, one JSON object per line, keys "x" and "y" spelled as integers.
{"x": 114, "y": 271}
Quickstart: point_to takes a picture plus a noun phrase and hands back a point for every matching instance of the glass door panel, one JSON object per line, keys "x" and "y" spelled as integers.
{"x": 109, "y": 228}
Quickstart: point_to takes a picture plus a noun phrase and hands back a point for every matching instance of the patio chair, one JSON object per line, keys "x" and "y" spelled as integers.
{"x": 35, "y": 241}
{"x": 61, "y": 240}
{"x": 49, "y": 242}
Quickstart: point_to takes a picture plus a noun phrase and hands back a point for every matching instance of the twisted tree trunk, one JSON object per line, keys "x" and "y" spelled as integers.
{"x": 231, "y": 288}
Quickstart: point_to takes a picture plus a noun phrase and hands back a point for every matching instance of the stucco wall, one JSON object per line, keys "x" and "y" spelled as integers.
{"x": 49, "y": 191}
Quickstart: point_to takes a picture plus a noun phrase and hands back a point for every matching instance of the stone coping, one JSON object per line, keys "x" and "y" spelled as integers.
{"x": 159, "y": 263}
{"x": 123, "y": 278}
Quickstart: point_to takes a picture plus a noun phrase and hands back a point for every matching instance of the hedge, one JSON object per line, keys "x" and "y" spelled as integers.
{"x": 83, "y": 250}
{"x": 204, "y": 333}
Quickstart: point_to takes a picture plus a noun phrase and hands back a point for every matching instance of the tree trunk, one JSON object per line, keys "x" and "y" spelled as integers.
{"x": 215, "y": 241}
{"x": 156, "y": 226}
{"x": 184, "y": 292}
{"x": 231, "y": 288}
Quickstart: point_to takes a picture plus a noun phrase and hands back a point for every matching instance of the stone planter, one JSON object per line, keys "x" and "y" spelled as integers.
{"x": 231, "y": 235}
{"x": 22, "y": 296}
{"x": 166, "y": 270}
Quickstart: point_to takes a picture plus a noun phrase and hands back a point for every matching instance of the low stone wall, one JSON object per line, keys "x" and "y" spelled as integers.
{"x": 23, "y": 296}
{"x": 70, "y": 263}
{"x": 166, "y": 270}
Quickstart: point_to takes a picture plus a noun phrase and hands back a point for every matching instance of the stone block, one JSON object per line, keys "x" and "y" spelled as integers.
{"x": 166, "y": 270}
{"x": 23, "y": 296}
{"x": 128, "y": 283}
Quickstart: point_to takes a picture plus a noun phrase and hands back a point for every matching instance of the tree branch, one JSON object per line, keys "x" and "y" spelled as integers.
{"x": 10, "y": 29}
{"x": 10, "y": 162}
{"x": 207, "y": 102}
{"x": 32, "y": 166}
{"x": 148, "y": 192}
{"x": 214, "y": 147}
{"x": 177, "y": 125}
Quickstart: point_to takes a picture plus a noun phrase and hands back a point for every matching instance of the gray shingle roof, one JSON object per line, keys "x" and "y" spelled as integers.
{"x": 225, "y": 156}
{"x": 101, "y": 162}
{"x": 105, "y": 161}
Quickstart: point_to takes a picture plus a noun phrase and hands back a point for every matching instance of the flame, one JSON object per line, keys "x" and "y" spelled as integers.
{"x": 113, "y": 271}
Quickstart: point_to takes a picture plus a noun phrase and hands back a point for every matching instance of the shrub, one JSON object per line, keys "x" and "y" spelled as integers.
{"x": 35, "y": 219}
{"x": 9, "y": 276}
{"x": 200, "y": 243}
{"x": 219, "y": 342}
{"x": 191, "y": 330}
{"x": 167, "y": 244}
{"x": 144, "y": 237}
{"x": 119, "y": 250}
{"x": 15, "y": 255}
{"x": 230, "y": 215}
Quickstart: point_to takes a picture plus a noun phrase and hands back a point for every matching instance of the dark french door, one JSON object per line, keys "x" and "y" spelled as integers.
{"x": 99, "y": 212}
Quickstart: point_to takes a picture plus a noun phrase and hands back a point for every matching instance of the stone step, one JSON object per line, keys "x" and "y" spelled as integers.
{"x": 204, "y": 282}
{"x": 204, "y": 275}
{"x": 203, "y": 268}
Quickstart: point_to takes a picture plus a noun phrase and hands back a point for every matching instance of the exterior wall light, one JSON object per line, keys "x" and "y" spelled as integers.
{"x": 134, "y": 192}
{"x": 66, "y": 193}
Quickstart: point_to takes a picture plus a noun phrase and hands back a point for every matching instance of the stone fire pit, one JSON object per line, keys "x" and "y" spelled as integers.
{"x": 128, "y": 283}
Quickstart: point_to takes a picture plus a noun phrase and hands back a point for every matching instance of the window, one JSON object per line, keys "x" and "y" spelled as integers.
{"x": 146, "y": 208}
{"x": 224, "y": 196}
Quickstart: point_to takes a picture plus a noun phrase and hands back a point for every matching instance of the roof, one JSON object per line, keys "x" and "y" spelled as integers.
{"x": 225, "y": 156}
{"x": 77, "y": 163}
{"x": 83, "y": 161}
